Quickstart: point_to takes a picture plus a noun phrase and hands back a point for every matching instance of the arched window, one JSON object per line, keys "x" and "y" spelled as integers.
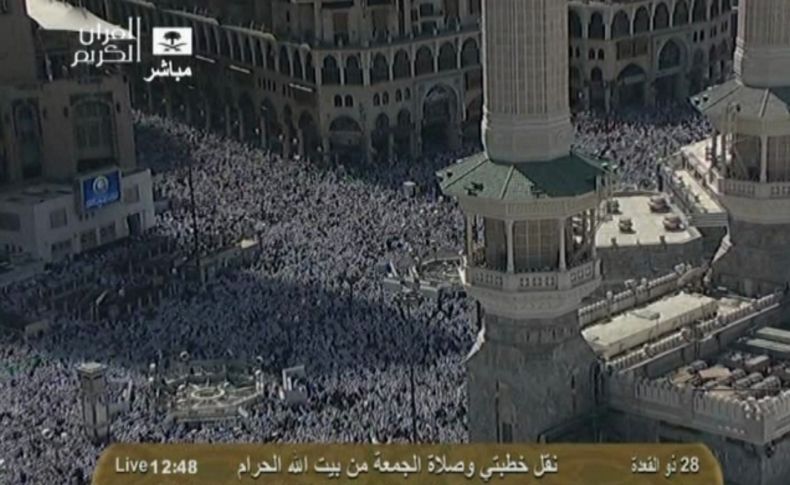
{"x": 338, "y": 101}
{"x": 309, "y": 68}
{"x": 621, "y": 25}
{"x": 349, "y": 101}
{"x": 641, "y": 21}
{"x": 700, "y": 13}
{"x": 714, "y": 9}
{"x": 600, "y": 54}
{"x": 385, "y": 98}
{"x": 596, "y": 29}
{"x": 670, "y": 56}
{"x": 398, "y": 96}
{"x": 298, "y": 72}
{"x": 423, "y": 63}
{"x": 376, "y": 99}
{"x": 380, "y": 70}
{"x": 574, "y": 25}
{"x": 681, "y": 14}
{"x": 591, "y": 54}
{"x": 94, "y": 135}
{"x": 407, "y": 94}
{"x": 401, "y": 67}
{"x": 330, "y": 74}
{"x": 596, "y": 75}
{"x": 270, "y": 57}
{"x": 470, "y": 53}
{"x": 661, "y": 17}
{"x": 285, "y": 62}
{"x": 353, "y": 71}
{"x": 447, "y": 57}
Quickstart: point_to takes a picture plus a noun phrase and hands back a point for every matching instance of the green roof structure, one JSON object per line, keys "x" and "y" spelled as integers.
{"x": 479, "y": 176}
{"x": 769, "y": 104}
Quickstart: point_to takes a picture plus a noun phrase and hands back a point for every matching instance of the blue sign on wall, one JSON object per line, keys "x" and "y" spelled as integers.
{"x": 100, "y": 190}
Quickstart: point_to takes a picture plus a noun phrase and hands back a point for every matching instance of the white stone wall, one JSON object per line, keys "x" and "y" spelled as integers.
{"x": 762, "y": 56}
{"x": 526, "y": 116}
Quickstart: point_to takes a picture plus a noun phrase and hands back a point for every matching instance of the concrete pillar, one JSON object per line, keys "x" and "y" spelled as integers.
{"x": 593, "y": 250}
{"x": 763, "y": 159}
{"x": 511, "y": 264}
{"x": 563, "y": 263}
{"x": 470, "y": 233}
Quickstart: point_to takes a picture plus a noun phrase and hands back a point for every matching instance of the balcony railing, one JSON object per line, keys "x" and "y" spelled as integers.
{"x": 754, "y": 190}
{"x": 535, "y": 281}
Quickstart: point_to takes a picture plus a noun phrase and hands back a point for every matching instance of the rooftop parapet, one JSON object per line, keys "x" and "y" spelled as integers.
{"x": 751, "y": 420}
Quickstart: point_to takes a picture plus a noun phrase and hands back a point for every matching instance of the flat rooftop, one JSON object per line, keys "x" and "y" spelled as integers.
{"x": 647, "y": 323}
{"x": 648, "y": 226}
{"x": 34, "y": 194}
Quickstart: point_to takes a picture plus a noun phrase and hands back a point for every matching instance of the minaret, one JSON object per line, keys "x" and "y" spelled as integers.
{"x": 752, "y": 151}
{"x": 531, "y": 210}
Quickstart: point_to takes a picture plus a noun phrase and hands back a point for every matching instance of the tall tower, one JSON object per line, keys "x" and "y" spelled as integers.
{"x": 531, "y": 208}
{"x": 752, "y": 150}
{"x": 95, "y": 408}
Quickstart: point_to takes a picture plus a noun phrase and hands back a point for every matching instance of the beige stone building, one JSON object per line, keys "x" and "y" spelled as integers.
{"x": 380, "y": 78}
{"x": 634, "y": 52}
{"x": 68, "y": 176}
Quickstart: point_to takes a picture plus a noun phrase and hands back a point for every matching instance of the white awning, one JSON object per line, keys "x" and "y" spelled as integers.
{"x": 61, "y": 16}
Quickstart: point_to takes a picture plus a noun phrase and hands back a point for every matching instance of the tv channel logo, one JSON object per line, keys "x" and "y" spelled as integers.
{"x": 172, "y": 41}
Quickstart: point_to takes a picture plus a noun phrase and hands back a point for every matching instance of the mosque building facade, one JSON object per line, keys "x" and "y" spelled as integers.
{"x": 376, "y": 79}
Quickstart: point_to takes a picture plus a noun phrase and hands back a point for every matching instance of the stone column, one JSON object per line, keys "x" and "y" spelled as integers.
{"x": 511, "y": 264}
{"x": 470, "y": 233}
{"x": 763, "y": 159}
{"x": 593, "y": 250}
{"x": 563, "y": 263}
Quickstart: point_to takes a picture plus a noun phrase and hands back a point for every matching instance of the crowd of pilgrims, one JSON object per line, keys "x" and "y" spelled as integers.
{"x": 312, "y": 296}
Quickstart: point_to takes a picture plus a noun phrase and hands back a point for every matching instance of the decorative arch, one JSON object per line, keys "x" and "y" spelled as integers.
{"x": 661, "y": 17}
{"x": 621, "y": 25}
{"x": 423, "y": 61}
{"x": 379, "y": 69}
{"x": 470, "y": 53}
{"x": 714, "y": 9}
{"x": 270, "y": 64}
{"x": 574, "y": 24}
{"x": 353, "y": 70}
{"x": 670, "y": 56}
{"x": 630, "y": 71}
{"x": 596, "y": 75}
{"x": 642, "y": 20}
{"x": 448, "y": 57}
{"x": 700, "y": 11}
{"x": 680, "y": 16}
{"x": 439, "y": 115}
{"x": 596, "y": 28}
{"x": 330, "y": 73}
{"x": 298, "y": 71}
{"x": 309, "y": 68}
{"x": 401, "y": 66}
{"x": 285, "y": 62}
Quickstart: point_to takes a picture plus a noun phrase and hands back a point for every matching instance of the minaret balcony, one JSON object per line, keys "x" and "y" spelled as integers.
{"x": 571, "y": 278}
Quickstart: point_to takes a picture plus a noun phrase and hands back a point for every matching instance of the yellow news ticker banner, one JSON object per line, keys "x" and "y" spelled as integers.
{"x": 308, "y": 464}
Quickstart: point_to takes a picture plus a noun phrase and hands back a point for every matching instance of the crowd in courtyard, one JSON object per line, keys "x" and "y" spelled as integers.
{"x": 313, "y": 296}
